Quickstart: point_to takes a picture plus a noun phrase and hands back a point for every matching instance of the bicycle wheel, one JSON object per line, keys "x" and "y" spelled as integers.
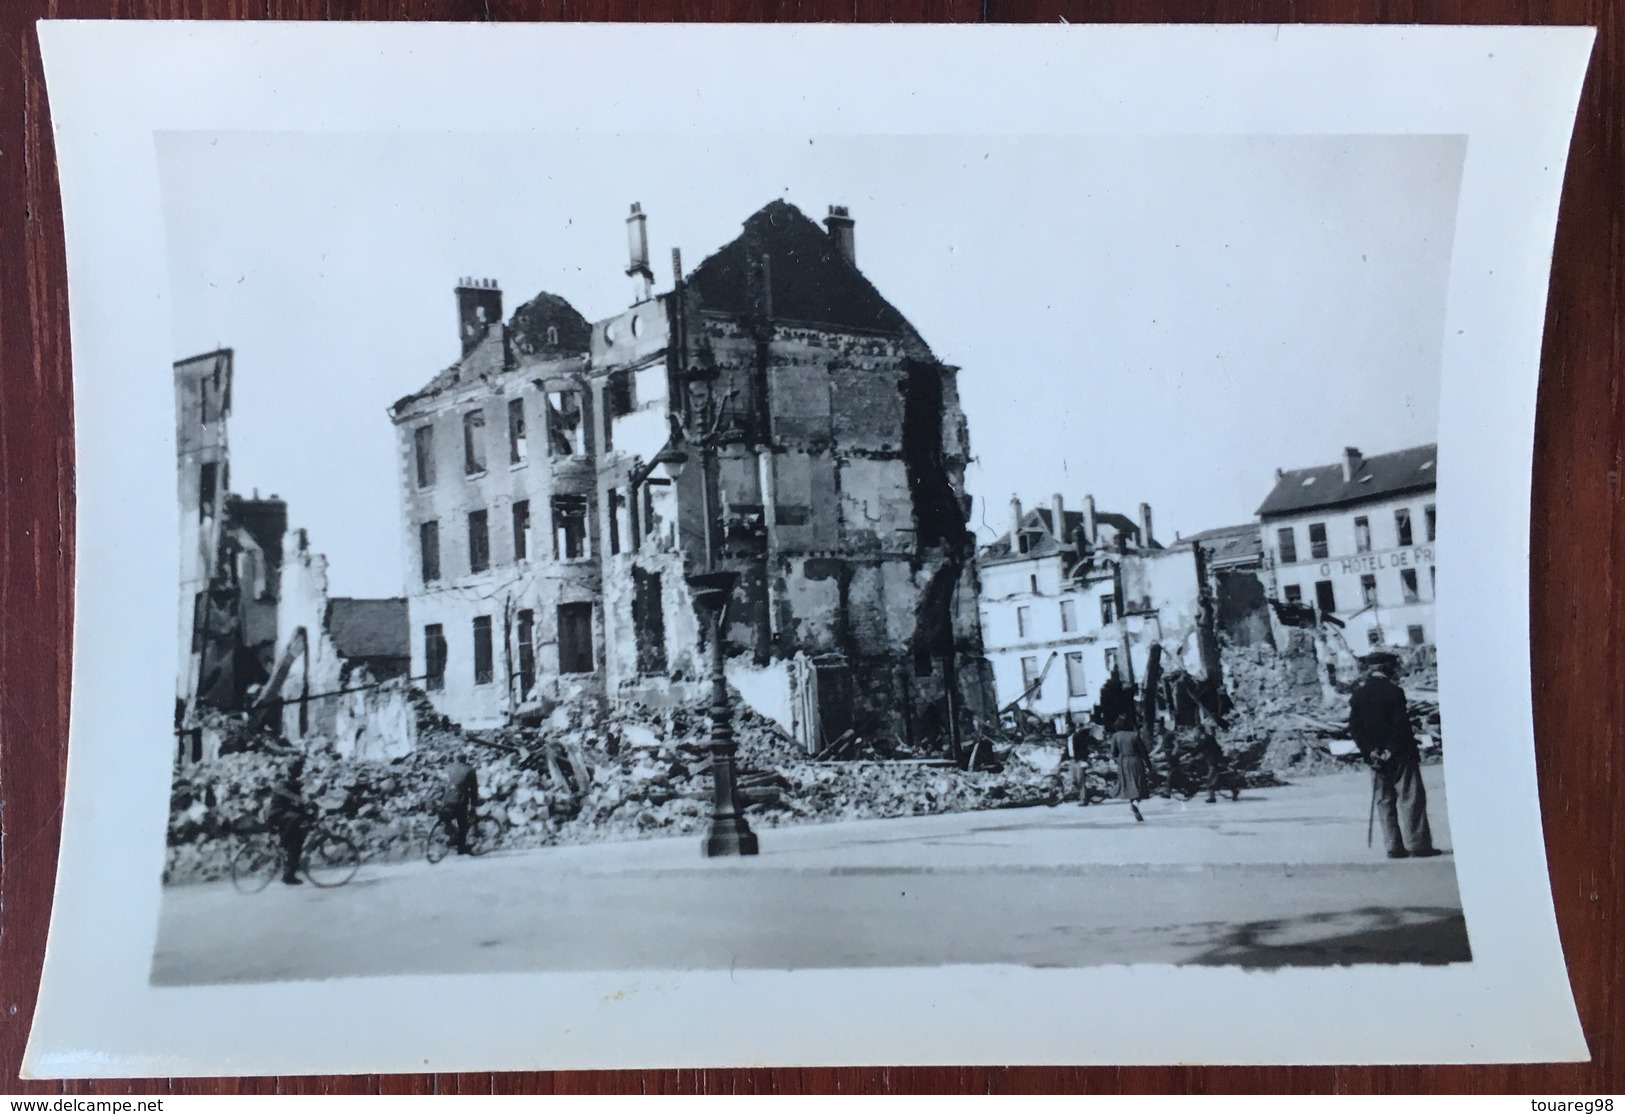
{"x": 255, "y": 863}
{"x": 438, "y": 845}
{"x": 484, "y": 836}
{"x": 330, "y": 859}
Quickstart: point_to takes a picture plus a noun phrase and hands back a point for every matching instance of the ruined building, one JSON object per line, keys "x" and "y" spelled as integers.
{"x": 230, "y": 559}
{"x": 772, "y": 414}
{"x": 1070, "y": 598}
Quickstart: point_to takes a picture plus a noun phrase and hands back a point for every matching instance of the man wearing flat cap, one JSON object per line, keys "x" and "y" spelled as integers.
{"x": 1380, "y": 725}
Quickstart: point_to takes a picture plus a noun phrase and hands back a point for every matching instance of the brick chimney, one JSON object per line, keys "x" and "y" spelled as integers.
{"x": 479, "y": 309}
{"x": 1057, "y": 518}
{"x": 840, "y": 226}
{"x": 1351, "y": 463}
{"x": 637, "y": 250}
{"x": 1089, "y": 531}
{"x": 1145, "y": 525}
{"x": 1015, "y": 524}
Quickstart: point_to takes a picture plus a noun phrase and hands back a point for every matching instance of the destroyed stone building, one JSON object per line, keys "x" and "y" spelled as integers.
{"x": 1353, "y": 542}
{"x": 1070, "y": 598}
{"x": 770, "y": 415}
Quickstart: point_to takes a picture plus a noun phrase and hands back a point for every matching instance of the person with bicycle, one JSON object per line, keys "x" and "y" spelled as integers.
{"x": 459, "y": 796}
{"x": 289, "y": 817}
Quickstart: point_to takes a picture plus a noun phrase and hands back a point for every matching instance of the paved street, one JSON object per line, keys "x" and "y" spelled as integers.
{"x": 1282, "y": 877}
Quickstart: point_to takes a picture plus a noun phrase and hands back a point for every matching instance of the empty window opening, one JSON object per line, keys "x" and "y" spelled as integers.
{"x": 1076, "y": 683}
{"x": 1032, "y": 583}
{"x": 1287, "y": 542}
{"x": 1430, "y": 512}
{"x": 649, "y": 622}
{"x": 1024, "y": 621}
{"x": 527, "y": 653}
{"x": 474, "y": 442}
{"x": 1402, "y": 525}
{"x": 1317, "y": 540}
{"x": 479, "y": 542}
{"x": 517, "y": 446}
{"x": 1108, "y": 609}
{"x": 618, "y": 396}
{"x": 1409, "y": 586}
{"x": 423, "y": 454}
{"x": 1069, "y": 616}
{"x": 1415, "y": 635}
{"x": 1362, "y": 535}
{"x": 429, "y": 551}
{"x": 1294, "y": 593}
{"x": 1325, "y": 597}
{"x": 575, "y": 638}
{"x": 434, "y": 657}
{"x": 616, "y": 505}
{"x": 1112, "y": 665}
{"x": 564, "y": 427}
{"x": 482, "y": 650}
{"x": 569, "y": 527}
{"x": 1368, "y": 590}
{"x": 207, "y": 491}
{"x": 521, "y": 529}
{"x": 1374, "y": 636}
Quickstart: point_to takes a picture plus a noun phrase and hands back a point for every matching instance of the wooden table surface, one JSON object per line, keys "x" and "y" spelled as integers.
{"x": 1578, "y": 541}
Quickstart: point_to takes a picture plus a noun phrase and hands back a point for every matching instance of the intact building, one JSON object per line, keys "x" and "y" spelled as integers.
{"x": 771, "y": 415}
{"x": 1354, "y": 541}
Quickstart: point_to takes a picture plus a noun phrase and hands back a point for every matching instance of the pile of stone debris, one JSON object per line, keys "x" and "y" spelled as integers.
{"x": 580, "y": 775}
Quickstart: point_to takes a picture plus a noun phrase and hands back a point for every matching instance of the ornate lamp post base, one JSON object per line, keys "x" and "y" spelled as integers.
{"x": 730, "y": 834}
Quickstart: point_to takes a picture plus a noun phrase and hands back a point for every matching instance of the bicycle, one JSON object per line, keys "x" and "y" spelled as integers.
{"x": 484, "y": 833}
{"x": 330, "y": 859}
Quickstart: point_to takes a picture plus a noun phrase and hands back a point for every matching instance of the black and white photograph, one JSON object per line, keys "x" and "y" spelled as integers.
{"x": 760, "y": 544}
{"x": 772, "y": 560}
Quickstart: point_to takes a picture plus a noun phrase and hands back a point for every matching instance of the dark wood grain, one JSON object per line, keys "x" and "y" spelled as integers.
{"x": 1578, "y": 540}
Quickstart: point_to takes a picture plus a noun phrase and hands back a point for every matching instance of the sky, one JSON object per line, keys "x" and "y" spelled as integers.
{"x": 1146, "y": 319}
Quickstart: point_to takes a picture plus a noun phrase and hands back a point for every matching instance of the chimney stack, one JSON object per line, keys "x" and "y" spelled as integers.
{"x": 1057, "y": 512}
{"x": 1015, "y": 524}
{"x": 1089, "y": 520}
{"x": 479, "y": 308}
{"x": 637, "y": 249}
{"x": 1351, "y": 463}
{"x": 1145, "y": 525}
{"x": 840, "y": 226}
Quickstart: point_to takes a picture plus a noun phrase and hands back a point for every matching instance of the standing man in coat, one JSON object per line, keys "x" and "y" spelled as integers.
{"x": 1380, "y": 725}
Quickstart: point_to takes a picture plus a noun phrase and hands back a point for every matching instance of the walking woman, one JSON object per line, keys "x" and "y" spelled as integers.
{"x": 1133, "y": 764}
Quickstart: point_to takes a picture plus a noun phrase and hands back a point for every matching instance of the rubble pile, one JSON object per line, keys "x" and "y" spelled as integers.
{"x": 579, "y": 775}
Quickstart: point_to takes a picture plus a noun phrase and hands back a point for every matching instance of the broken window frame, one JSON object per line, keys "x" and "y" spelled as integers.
{"x": 571, "y": 538}
{"x": 1326, "y": 596}
{"x": 1368, "y": 590}
{"x": 1416, "y": 634}
{"x": 1029, "y": 679}
{"x": 1318, "y": 548}
{"x": 473, "y": 442}
{"x": 1409, "y": 586}
{"x": 484, "y": 651}
{"x": 1292, "y": 593}
{"x": 429, "y": 550}
{"x": 526, "y": 638}
{"x": 479, "y": 541}
{"x": 1114, "y": 667}
{"x": 518, "y": 446}
{"x": 1077, "y": 681}
{"x": 423, "y": 455}
{"x": 1108, "y": 608}
{"x": 572, "y": 657}
{"x": 1286, "y": 541}
{"x": 1069, "y": 616}
{"x": 1403, "y": 529}
{"x": 1373, "y": 636}
{"x": 434, "y": 657}
{"x": 1362, "y": 534}
{"x": 521, "y": 530}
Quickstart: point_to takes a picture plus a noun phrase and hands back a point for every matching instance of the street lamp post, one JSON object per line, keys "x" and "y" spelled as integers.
{"x": 730, "y": 834}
